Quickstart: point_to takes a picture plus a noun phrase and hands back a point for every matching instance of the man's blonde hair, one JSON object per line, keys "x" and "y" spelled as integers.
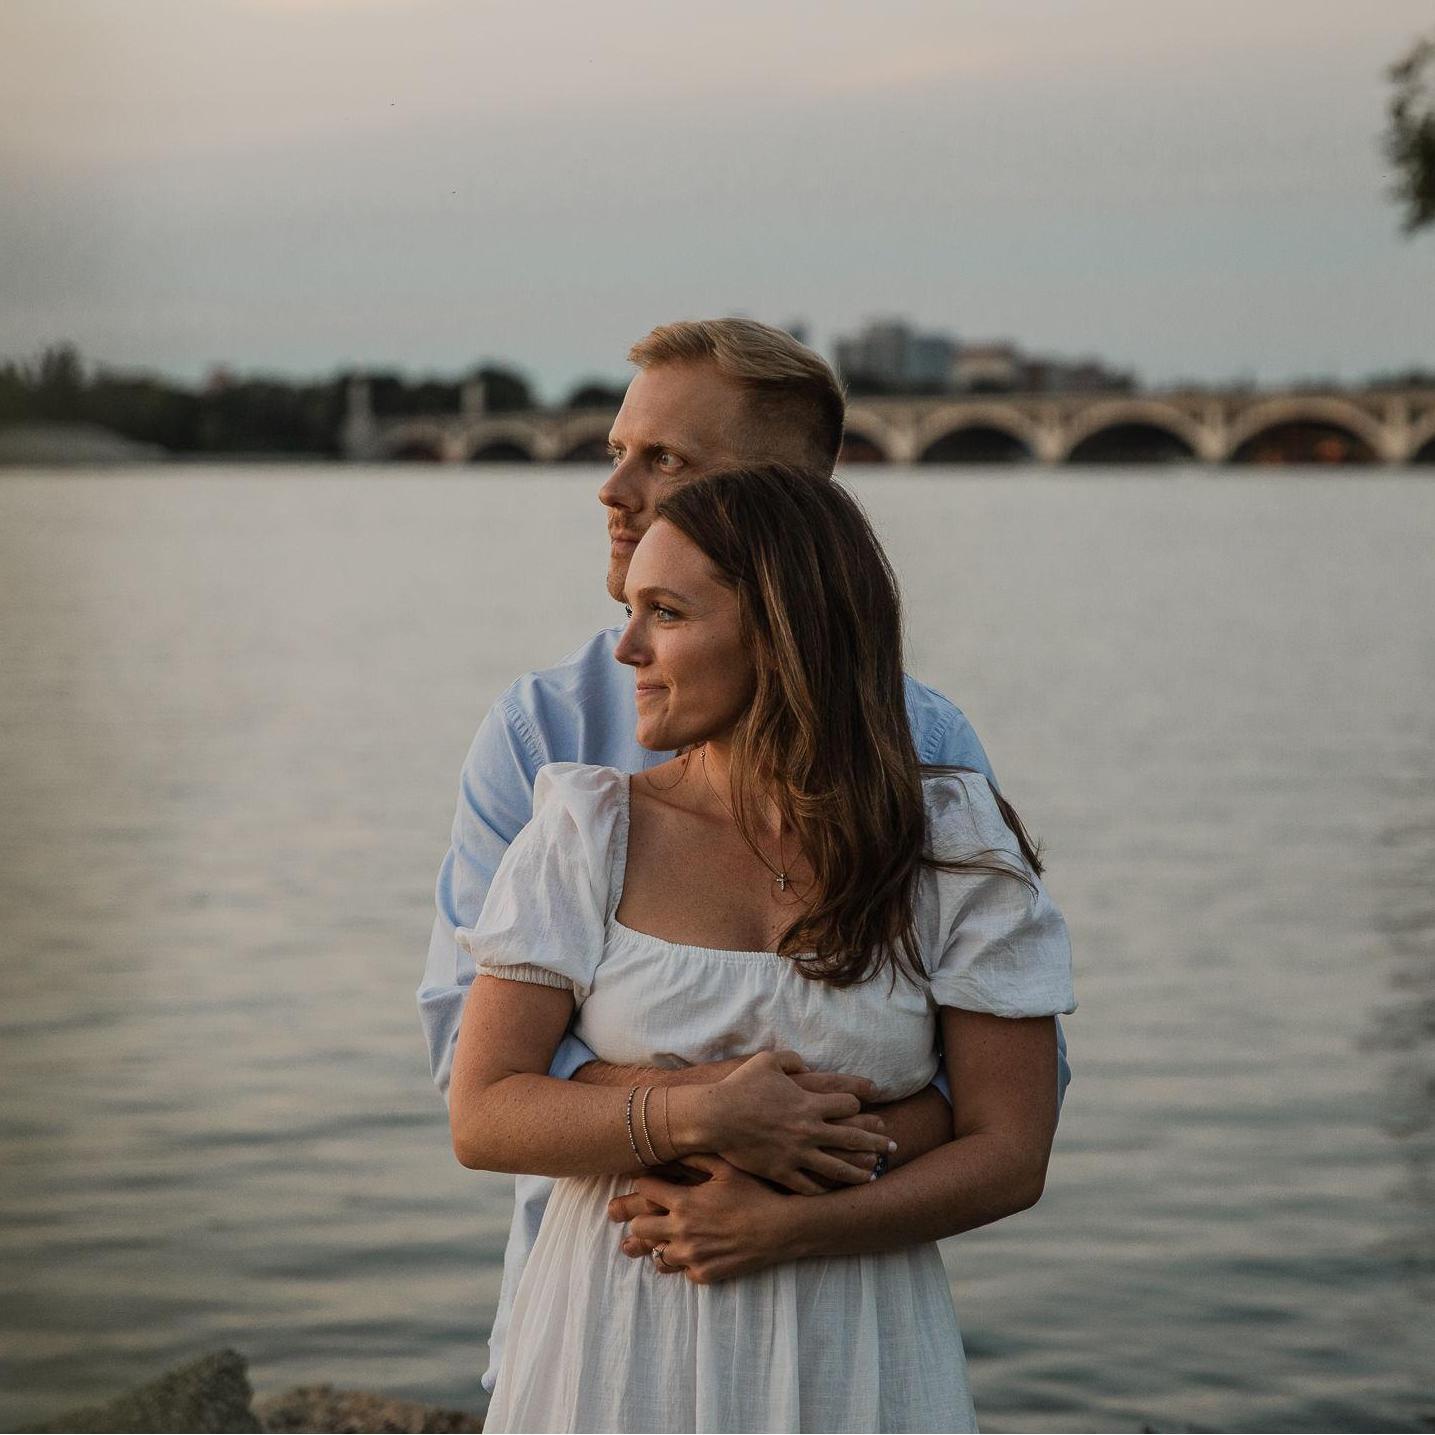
{"x": 792, "y": 387}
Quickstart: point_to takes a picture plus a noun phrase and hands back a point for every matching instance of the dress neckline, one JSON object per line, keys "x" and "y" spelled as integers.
{"x": 619, "y": 878}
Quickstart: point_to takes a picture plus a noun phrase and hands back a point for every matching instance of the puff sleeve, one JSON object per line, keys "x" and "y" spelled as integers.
{"x": 1004, "y": 947}
{"x": 547, "y": 910}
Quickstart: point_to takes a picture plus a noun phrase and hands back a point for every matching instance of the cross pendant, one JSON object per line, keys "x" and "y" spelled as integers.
{"x": 782, "y": 881}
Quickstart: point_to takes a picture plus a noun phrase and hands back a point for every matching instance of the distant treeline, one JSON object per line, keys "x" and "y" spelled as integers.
{"x": 243, "y": 415}
{"x": 231, "y": 415}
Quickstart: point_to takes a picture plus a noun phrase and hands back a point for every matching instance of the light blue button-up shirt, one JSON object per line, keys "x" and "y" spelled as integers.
{"x": 582, "y": 710}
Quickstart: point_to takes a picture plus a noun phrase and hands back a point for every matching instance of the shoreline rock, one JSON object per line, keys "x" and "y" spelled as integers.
{"x": 213, "y": 1395}
{"x": 322, "y": 1408}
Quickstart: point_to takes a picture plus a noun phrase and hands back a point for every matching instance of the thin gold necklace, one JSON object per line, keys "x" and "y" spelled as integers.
{"x": 779, "y": 876}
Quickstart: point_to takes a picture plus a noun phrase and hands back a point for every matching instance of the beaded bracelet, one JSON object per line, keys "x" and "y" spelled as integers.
{"x": 643, "y": 1119}
{"x": 632, "y": 1141}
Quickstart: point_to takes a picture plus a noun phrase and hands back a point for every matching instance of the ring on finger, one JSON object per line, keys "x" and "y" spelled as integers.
{"x": 658, "y": 1260}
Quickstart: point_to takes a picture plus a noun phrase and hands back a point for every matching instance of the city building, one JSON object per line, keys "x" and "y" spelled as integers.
{"x": 890, "y": 357}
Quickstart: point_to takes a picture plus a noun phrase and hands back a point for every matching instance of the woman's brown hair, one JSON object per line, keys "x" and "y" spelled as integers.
{"x": 827, "y": 733}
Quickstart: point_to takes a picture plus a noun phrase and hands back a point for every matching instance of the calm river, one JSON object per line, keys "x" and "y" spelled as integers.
{"x": 233, "y": 705}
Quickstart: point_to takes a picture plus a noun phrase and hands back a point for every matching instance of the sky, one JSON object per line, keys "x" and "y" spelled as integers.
{"x": 1191, "y": 190}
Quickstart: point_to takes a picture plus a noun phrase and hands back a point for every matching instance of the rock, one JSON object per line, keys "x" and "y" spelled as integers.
{"x": 321, "y": 1407}
{"x": 209, "y": 1394}
{"x": 213, "y": 1394}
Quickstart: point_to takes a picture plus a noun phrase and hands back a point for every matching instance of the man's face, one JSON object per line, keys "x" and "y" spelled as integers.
{"x": 678, "y": 421}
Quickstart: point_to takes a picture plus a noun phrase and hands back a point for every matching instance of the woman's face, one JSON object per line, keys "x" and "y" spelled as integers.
{"x": 694, "y": 675}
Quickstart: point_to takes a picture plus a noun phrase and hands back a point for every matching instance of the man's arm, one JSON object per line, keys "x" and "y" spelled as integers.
{"x": 495, "y": 800}
{"x": 606, "y": 1073}
{"x": 992, "y": 1165}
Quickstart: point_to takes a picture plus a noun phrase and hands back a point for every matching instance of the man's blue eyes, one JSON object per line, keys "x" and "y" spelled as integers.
{"x": 665, "y": 459}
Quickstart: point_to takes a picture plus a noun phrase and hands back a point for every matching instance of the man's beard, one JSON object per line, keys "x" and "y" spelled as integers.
{"x": 617, "y": 577}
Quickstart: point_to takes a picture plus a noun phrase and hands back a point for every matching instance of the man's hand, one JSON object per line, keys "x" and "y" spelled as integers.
{"x": 918, "y": 1123}
{"x": 728, "y": 1225}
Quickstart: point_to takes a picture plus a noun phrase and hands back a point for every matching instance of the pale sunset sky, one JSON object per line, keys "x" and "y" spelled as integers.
{"x": 1190, "y": 188}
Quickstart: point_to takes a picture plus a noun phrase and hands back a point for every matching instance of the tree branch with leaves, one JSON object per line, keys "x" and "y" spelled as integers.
{"x": 1410, "y": 135}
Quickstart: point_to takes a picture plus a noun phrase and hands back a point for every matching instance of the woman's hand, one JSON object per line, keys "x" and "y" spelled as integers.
{"x": 863, "y": 1163}
{"x": 767, "y": 1123}
{"x": 728, "y": 1226}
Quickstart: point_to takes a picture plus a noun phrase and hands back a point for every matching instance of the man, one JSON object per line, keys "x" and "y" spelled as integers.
{"x": 707, "y": 396}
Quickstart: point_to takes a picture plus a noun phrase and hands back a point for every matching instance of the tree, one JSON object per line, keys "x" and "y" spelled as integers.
{"x": 58, "y": 382}
{"x": 505, "y": 391}
{"x": 1410, "y": 136}
{"x": 595, "y": 394}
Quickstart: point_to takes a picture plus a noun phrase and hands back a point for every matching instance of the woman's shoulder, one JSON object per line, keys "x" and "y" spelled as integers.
{"x": 581, "y": 795}
{"x": 963, "y": 815}
{"x": 558, "y": 781}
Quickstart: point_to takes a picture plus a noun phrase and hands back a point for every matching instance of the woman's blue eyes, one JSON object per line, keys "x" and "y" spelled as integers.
{"x": 666, "y": 614}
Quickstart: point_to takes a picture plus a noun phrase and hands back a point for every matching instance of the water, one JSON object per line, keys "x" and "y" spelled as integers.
{"x": 233, "y": 705}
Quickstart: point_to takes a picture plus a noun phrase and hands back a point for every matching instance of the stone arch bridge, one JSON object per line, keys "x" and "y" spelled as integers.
{"x": 1328, "y": 426}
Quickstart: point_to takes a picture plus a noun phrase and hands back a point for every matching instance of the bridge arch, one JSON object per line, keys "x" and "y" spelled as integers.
{"x": 500, "y": 443}
{"x": 500, "y": 450}
{"x": 977, "y": 443}
{"x": 414, "y": 443}
{"x": 1421, "y": 448}
{"x": 874, "y": 433}
{"x": 858, "y": 447}
{"x": 584, "y": 443}
{"x": 1133, "y": 431}
{"x": 977, "y": 433}
{"x": 590, "y": 451}
{"x": 1309, "y": 424}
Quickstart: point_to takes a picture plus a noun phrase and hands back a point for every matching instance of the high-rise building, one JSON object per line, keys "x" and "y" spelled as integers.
{"x": 890, "y": 356}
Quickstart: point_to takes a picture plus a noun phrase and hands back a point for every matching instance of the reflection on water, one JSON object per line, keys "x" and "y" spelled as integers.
{"x": 232, "y": 716}
{"x": 1402, "y": 1030}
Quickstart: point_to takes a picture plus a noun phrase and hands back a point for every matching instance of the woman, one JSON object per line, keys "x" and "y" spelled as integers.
{"x": 790, "y": 881}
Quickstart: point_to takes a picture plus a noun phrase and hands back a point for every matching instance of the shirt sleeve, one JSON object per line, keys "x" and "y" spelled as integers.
{"x": 495, "y": 799}
{"x": 1005, "y": 948}
{"x": 546, "y": 912}
{"x": 942, "y": 734}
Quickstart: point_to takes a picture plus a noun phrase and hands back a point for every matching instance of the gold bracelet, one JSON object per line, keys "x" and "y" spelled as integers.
{"x": 631, "y": 1140}
{"x": 643, "y": 1118}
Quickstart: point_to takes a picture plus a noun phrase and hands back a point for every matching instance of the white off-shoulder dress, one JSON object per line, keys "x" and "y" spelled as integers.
{"x": 601, "y": 1341}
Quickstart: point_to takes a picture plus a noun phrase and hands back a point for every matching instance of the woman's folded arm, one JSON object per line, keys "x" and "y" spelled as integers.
{"x": 507, "y": 1114}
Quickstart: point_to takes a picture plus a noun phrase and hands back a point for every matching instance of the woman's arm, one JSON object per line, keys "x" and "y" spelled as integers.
{"x": 506, "y": 1114}
{"x": 1003, "y": 1076}
{"x": 917, "y": 1123}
